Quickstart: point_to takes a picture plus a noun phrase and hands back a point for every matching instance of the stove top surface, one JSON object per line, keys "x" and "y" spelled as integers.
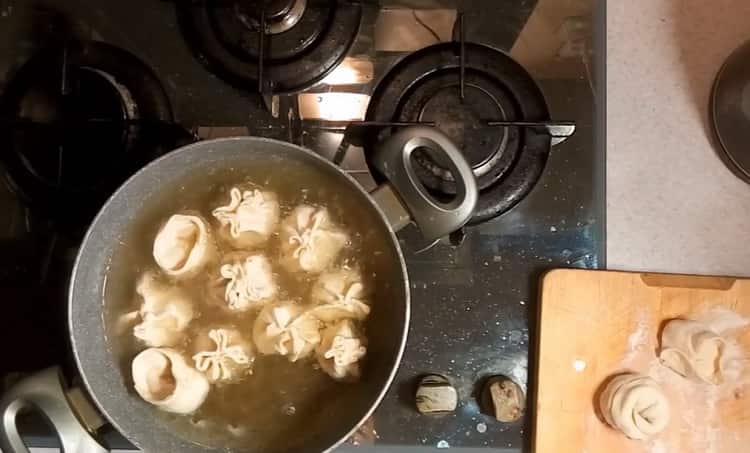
{"x": 474, "y": 297}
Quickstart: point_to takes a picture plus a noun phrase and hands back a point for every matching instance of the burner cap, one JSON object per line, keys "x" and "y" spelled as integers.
{"x": 280, "y": 15}
{"x": 730, "y": 110}
{"x": 425, "y": 86}
{"x": 275, "y": 8}
{"x": 68, "y": 139}
{"x": 304, "y": 40}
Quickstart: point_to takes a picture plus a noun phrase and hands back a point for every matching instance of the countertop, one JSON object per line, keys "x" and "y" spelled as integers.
{"x": 672, "y": 205}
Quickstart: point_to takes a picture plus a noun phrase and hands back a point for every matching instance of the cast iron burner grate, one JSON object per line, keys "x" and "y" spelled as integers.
{"x": 470, "y": 92}
{"x": 272, "y": 46}
{"x": 69, "y": 120}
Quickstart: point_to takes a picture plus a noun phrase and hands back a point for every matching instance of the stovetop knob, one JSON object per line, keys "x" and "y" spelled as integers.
{"x": 436, "y": 395}
{"x": 503, "y": 399}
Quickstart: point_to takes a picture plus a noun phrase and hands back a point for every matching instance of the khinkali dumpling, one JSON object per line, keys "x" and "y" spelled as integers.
{"x": 251, "y": 282}
{"x": 165, "y": 313}
{"x": 340, "y": 294}
{"x": 691, "y": 350}
{"x": 165, "y": 379}
{"x": 340, "y": 350}
{"x": 223, "y": 355}
{"x": 286, "y": 329}
{"x": 310, "y": 241}
{"x": 250, "y": 217}
{"x": 636, "y": 405}
{"x": 183, "y": 245}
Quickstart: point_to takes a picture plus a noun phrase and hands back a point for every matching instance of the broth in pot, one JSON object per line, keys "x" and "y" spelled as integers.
{"x": 277, "y": 406}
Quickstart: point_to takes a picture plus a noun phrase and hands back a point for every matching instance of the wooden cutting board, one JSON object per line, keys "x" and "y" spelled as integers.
{"x": 594, "y": 324}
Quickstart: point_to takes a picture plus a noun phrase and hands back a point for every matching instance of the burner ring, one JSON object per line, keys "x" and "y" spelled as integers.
{"x": 304, "y": 46}
{"x": 507, "y": 161}
{"x": 455, "y": 122}
{"x": 489, "y": 150}
{"x": 67, "y": 149}
{"x": 280, "y": 16}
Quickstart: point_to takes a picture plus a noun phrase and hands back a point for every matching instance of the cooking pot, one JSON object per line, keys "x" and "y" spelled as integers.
{"x": 334, "y": 418}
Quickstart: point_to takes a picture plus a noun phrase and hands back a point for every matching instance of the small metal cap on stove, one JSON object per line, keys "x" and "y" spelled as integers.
{"x": 436, "y": 395}
{"x": 503, "y": 398}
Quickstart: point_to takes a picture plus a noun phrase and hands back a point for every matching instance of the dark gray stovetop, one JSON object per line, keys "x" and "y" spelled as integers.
{"x": 472, "y": 304}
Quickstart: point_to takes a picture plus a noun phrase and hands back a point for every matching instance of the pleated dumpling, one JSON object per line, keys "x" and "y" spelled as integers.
{"x": 164, "y": 378}
{"x": 310, "y": 241}
{"x": 636, "y": 405}
{"x": 223, "y": 355}
{"x": 340, "y": 294}
{"x": 340, "y": 351}
{"x": 249, "y": 281}
{"x": 692, "y": 350}
{"x": 164, "y": 313}
{"x": 183, "y": 246}
{"x": 286, "y": 329}
{"x": 250, "y": 217}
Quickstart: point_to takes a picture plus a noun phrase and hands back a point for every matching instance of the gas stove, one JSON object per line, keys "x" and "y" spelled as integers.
{"x": 91, "y": 91}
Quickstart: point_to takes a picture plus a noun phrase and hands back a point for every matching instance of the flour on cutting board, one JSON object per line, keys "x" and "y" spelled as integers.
{"x": 694, "y": 405}
{"x": 723, "y": 320}
{"x": 638, "y": 340}
{"x": 657, "y": 446}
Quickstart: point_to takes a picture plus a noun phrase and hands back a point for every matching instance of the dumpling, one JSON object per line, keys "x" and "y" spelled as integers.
{"x": 340, "y": 294}
{"x": 635, "y": 405}
{"x": 310, "y": 241}
{"x": 340, "y": 350}
{"x": 250, "y": 217}
{"x": 183, "y": 245}
{"x": 165, "y": 379}
{"x": 223, "y": 355}
{"x": 165, "y": 313}
{"x": 251, "y": 282}
{"x": 691, "y": 350}
{"x": 286, "y": 329}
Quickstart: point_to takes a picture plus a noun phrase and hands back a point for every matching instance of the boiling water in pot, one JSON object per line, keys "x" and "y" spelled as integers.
{"x": 281, "y": 402}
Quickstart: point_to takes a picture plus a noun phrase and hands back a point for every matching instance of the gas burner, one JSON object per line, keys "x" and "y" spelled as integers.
{"x": 302, "y": 40}
{"x": 68, "y": 117}
{"x": 427, "y": 87}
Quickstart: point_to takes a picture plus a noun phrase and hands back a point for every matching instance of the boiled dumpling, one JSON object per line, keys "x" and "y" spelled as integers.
{"x": 691, "y": 350}
{"x": 165, "y": 313}
{"x": 183, "y": 245}
{"x": 251, "y": 282}
{"x": 286, "y": 329}
{"x": 223, "y": 355}
{"x": 165, "y": 379}
{"x": 250, "y": 217}
{"x": 635, "y": 405}
{"x": 340, "y": 350}
{"x": 310, "y": 241}
{"x": 124, "y": 323}
{"x": 340, "y": 294}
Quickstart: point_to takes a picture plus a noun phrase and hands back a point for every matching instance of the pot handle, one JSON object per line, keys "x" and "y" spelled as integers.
{"x": 434, "y": 218}
{"x": 44, "y": 391}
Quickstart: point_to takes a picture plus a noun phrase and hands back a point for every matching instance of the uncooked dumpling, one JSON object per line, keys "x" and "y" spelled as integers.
{"x": 341, "y": 348}
{"x": 164, "y": 314}
{"x": 310, "y": 241}
{"x": 223, "y": 355}
{"x": 692, "y": 350}
{"x": 251, "y": 282}
{"x": 286, "y": 329}
{"x": 165, "y": 379}
{"x": 340, "y": 294}
{"x": 636, "y": 405}
{"x": 250, "y": 217}
{"x": 183, "y": 245}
